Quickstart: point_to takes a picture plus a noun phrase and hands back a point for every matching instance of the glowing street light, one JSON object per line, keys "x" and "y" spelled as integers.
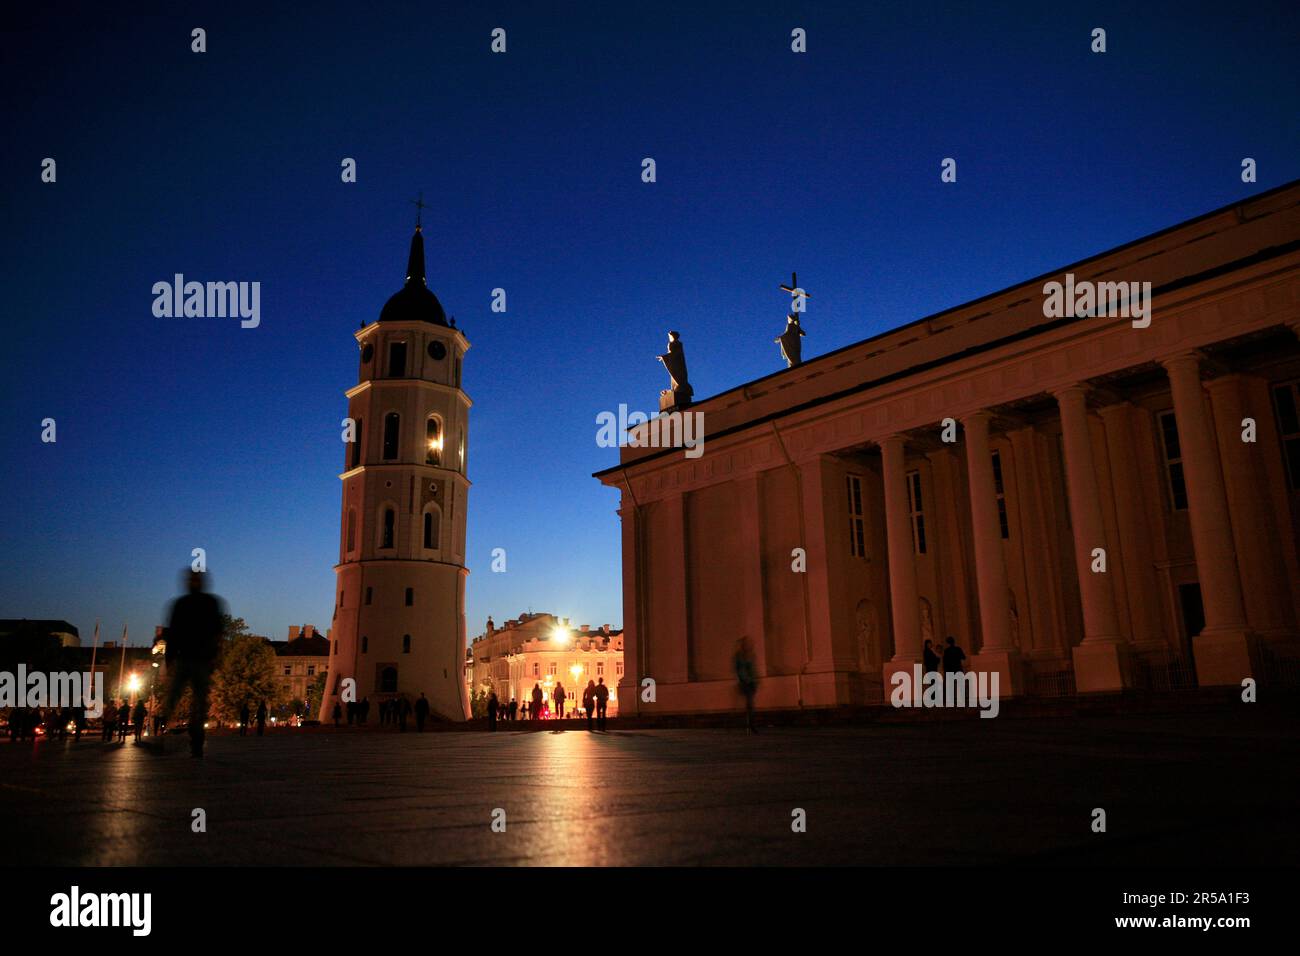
{"x": 576, "y": 671}
{"x": 561, "y": 636}
{"x": 133, "y": 683}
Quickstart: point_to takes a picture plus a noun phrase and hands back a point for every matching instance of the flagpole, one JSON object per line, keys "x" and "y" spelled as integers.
{"x": 121, "y": 667}
{"x": 93, "y": 650}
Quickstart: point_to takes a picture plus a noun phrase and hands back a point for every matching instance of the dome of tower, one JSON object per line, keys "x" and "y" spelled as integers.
{"x": 414, "y": 302}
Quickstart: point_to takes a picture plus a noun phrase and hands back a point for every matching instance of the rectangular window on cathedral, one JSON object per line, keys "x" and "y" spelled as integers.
{"x": 1287, "y": 399}
{"x": 999, "y": 490}
{"x": 857, "y": 520}
{"x": 410, "y": 597}
{"x": 916, "y": 510}
{"x": 1174, "y": 479}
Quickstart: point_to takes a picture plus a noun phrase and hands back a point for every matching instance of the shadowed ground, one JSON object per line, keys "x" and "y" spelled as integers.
{"x": 1190, "y": 788}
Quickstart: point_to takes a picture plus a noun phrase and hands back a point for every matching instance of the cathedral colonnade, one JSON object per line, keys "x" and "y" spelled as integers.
{"x": 1085, "y": 505}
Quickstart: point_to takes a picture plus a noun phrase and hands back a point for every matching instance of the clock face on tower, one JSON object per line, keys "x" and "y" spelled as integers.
{"x": 437, "y": 351}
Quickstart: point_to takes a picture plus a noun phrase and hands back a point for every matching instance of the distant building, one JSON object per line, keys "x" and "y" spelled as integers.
{"x": 11, "y": 628}
{"x": 301, "y": 659}
{"x": 544, "y": 649}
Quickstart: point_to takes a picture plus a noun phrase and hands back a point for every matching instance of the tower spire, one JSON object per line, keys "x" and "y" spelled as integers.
{"x": 415, "y": 262}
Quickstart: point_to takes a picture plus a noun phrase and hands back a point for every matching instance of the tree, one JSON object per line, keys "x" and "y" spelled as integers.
{"x": 245, "y": 673}
{"x": 315, "y": 694}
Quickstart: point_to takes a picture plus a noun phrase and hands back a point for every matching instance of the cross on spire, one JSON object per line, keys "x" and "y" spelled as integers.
{"x": 794, "y": 290}
{"x": 419, "y": 205}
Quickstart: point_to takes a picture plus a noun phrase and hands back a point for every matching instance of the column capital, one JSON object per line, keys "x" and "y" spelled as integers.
{"x": 983, "y": 415}
{"x": 1076, "y": 388}
{"x": 1114, "y": 408}
{"x": 1187, "y": 358}
{"x": 896, "y": 440}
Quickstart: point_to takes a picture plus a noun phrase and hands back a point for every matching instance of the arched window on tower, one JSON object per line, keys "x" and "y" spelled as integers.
{"x": 352, "y": 531}
{"x": 388, "y": 680}
{"x": 392, "y": 431}
{"x": 356, "y": 446}
{"x": 406, "y": 643}
{"x": 389, "y": 531}
{"x": 432, "y": 527}
{"x": 433, "y": 441}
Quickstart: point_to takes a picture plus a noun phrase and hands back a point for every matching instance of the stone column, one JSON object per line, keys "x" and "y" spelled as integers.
{"x": 904, "y": 608}
{"x": 1101, "y": 662}
{"x": 1136, "y": 532}
{"x": 997, "y": 652}
{"x": 1225, "y": 652}
{"x": 1266, "y": 581}
{"x": 628, "y": 687}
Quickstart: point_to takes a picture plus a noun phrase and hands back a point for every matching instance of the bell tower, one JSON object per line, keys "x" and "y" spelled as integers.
{"x": 399, "y": 613}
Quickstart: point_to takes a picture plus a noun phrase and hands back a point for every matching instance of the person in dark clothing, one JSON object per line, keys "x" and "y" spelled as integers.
{"x": 338, "y": 714}
{"x": 123, "y": 720}
{"x": 365, "y": 709}
{"x": 523, "y": 709}
{"x": 261, "y": 718}
{"x": 514, "y": 710}
{"x": 536, "y": 710}
{"x": 403, "y": 707}
{"x": 492, "y": 706}
{"x": 589, "y": 702}
{"x": 109, "y": 720}
{"x": 747, "y": 678}
{"x": 421, "y": 712}
{"x": 137, "y": 718}
{"x": 560, "y": 698}
{"x": 352, "y": 712}
{"x": 601, "y": 694}
{"x": 245, "y": 718}
{"x": 79, "y": 721}
{"x": 193, "y": 645}
{"x": 952, "y": 660}
{"x": 930, "y": 657}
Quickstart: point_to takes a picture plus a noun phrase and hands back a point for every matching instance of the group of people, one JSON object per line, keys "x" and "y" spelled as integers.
{"x": 119, "y": 719}
{"x": 396, "y": 710}
{"x": 246, "y": 718}
{"x": 595, "y": 698}
{"x": 951, "y": 659}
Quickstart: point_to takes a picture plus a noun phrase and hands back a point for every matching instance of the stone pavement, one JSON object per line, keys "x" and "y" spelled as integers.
{"x": 1186, "y": 789}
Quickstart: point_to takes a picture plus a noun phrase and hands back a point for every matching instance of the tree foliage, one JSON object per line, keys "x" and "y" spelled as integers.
{"x": 246, "y": 673}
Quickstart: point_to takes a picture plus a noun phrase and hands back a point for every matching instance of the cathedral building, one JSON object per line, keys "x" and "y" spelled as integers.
{"x": 1086, "y": 501}
{"x": 399, "y": 618}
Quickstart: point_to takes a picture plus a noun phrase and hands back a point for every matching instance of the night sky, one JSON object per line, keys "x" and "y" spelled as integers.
{"x": 177, "y": 433}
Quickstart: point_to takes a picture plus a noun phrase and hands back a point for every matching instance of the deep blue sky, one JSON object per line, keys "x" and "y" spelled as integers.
{"x": 177, "y": 433}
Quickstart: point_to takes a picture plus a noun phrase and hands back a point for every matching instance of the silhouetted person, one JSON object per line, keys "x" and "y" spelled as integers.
{"x": 514, "y": 710}
{"x": 589, "y": 702}
{"x": 193, "y": 645}
{"x": 601, "y": 694}
{"x": 421, "y": 712}
{"x": 536, "y": 710}
{"x": 123, "y": 720}
{"x": 747, "y": 678}
{"x": 403, "y": 707}
{"x": 338, "y": 713}
{"x": 137, "y": 718}
{"x": 560, "y": 697}
{"x": 261, "y": 718}
{"x": 109, "y": 721}
{"x": 952, "y": 660}
{"x": 492, "y": 706}
{"x": 930, "y": 657}
{"x": 365, "y": 709}
{"x": 245, "y": 718}
{"x": 79, "y": 721}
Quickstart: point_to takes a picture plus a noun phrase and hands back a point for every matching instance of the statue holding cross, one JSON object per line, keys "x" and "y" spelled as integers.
{"x": 791, "y": 347}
